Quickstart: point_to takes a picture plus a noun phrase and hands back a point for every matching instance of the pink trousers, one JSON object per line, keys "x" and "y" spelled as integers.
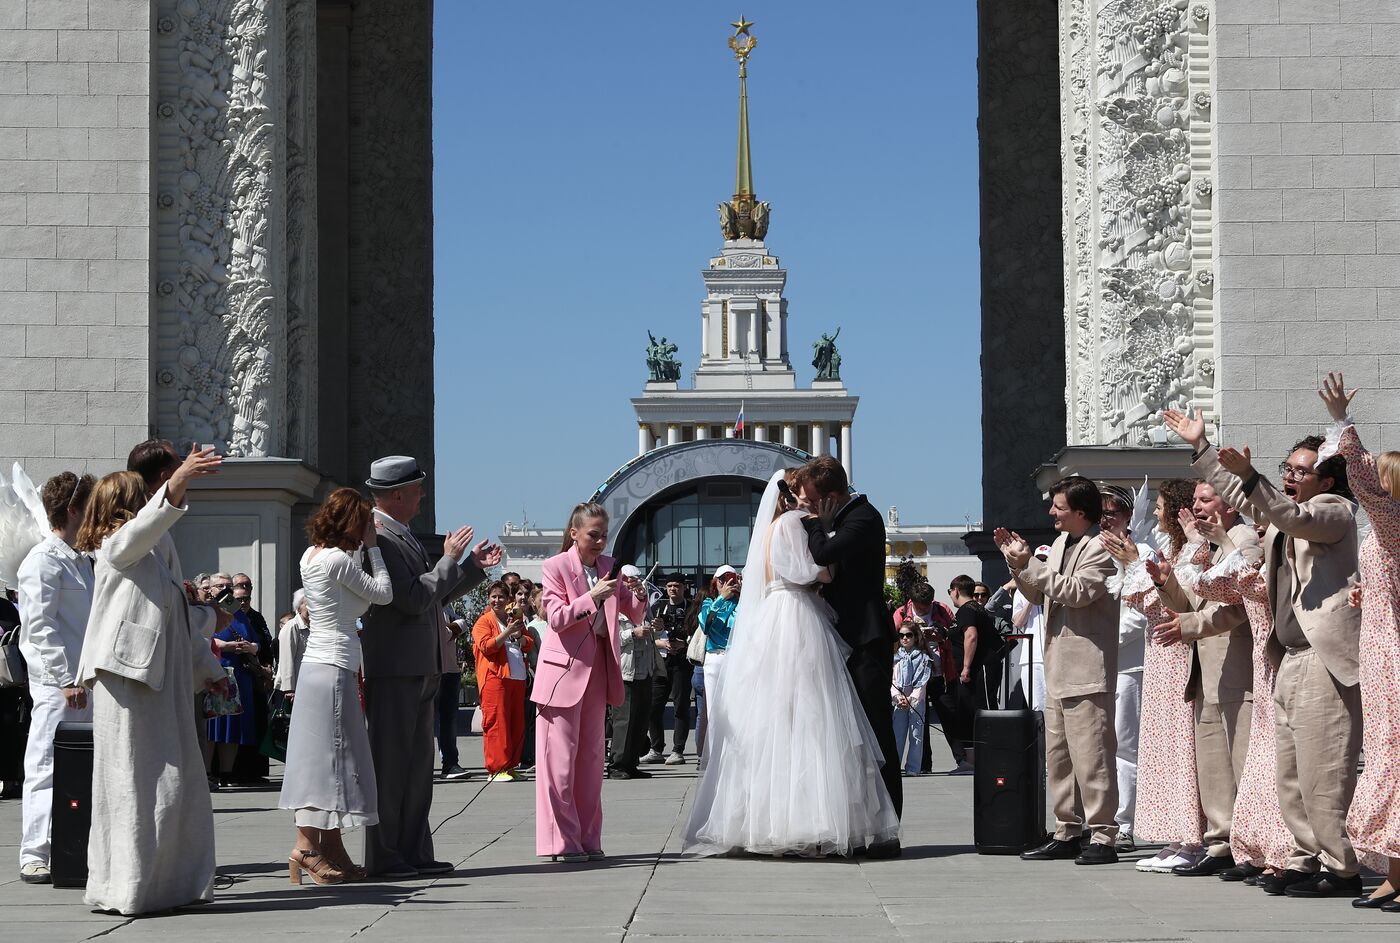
{"x": 569, "y": 770}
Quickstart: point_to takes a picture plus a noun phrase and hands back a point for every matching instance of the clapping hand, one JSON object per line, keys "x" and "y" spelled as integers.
{"x": 1013, "y": 547}
{"x": 1334, "y": 394}
{"x": 1189, "y": 426}
{"x": 1121, "y": 549}
{"x": 1354, "y": 596}
{"x": 1157, "y": 571}
{"x": 485, "y": 554}
{"x": 1169, "y": 632}
{"x": 1236, "y": 462}
{"x": 1211, "y": 530}
{"x": 456, "y": 543}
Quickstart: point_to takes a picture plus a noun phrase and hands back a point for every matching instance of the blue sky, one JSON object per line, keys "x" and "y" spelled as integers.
{"x": 580, "y": 149}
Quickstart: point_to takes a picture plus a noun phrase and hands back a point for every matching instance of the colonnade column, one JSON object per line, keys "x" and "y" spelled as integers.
{"x": 702, "y": 431}
{"x": 846, "y": 461}
{"x": 818, "y": 439}
{"x": 673, "y": 434}
{"x": 790, "y": 435}
{"x": 760, "y": 432}
{"x": 643, "y": 438}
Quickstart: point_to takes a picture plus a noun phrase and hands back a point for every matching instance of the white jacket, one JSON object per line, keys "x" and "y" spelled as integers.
{"x": 55, "y": 596}
{"x": 139, "y": 599}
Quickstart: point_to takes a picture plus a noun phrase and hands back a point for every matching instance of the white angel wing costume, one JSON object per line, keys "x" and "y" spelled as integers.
{"x": 23, "y": 524}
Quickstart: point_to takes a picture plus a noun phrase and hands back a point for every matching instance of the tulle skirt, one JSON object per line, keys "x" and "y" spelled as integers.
{"x": 792, "y": 763}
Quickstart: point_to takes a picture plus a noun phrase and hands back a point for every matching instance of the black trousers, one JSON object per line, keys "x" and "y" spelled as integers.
{"x": 629, "y": 724}
{"x": 449, "y": 690}
{"x": 672, "y": 684}
{"x": 958, "y": 705}
{"x": 869, "y": 666}
{"x": 527, "y": 749}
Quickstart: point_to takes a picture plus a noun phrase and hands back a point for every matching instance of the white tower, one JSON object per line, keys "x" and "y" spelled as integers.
{"x": 744, "y": 356}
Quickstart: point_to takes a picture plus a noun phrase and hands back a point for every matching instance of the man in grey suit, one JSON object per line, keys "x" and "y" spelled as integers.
{"x": 402, "y": 647}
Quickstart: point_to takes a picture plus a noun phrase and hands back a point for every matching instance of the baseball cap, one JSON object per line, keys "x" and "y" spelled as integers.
{"x": 630, "y": 571}
{"x": 724, "y": 571}
{"x": 1043, "y": 551}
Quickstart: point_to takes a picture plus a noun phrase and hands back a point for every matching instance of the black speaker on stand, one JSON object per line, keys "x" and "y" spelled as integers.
{"x": 72, "y": 804}
{"x": 1008, "y": 783}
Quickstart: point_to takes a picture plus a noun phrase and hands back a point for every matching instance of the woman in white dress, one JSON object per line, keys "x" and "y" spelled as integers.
{"x": 329, "y": 779}
{"x": 793, "y": 765}
{"x": 146, "y": 650}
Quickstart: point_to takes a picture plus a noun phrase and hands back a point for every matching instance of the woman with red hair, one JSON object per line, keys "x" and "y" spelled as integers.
{"x": 329, "y": 779}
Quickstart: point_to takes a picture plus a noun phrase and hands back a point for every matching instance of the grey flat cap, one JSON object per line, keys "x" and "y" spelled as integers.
{"x": 394, "y": 471}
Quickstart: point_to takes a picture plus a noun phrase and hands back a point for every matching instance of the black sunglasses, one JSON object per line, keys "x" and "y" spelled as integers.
{"x": 907, "y": 635}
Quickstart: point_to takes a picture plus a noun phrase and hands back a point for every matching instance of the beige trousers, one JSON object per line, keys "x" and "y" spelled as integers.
{"x": 1318, "y": 724}
{"x": 1222, "y": 743}
{"x": 1079, "y": 766}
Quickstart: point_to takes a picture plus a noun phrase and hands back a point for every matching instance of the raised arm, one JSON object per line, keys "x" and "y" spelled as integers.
{"x": 375, "y": 587}
{"x": 1364, "y": 479}
{"x": 789, "y": 552}
{"x": 139, "y": 536}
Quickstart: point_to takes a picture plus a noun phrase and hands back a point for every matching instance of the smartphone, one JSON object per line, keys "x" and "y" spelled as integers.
{"x": 616, "y": 569}
{"x": 226, "y": 602}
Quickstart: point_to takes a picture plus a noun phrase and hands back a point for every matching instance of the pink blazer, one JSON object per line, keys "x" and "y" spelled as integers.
{"x": 567, "y": 656}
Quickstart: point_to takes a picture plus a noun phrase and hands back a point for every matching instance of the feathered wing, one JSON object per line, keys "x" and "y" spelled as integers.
{"x": 1143, "y": 526}
{"x": 23, "y": 524}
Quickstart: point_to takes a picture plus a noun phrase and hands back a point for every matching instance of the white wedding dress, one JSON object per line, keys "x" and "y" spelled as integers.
{"x": 792, "y": 766}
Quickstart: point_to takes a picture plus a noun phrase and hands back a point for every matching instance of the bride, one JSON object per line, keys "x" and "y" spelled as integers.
{"x": 792, "y": 766}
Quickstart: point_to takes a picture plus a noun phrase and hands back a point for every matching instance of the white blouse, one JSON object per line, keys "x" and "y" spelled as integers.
{"x": 339, "y": 591}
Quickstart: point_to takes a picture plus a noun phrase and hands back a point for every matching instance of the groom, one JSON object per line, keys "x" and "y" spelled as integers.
{"x": 849, "y": 534}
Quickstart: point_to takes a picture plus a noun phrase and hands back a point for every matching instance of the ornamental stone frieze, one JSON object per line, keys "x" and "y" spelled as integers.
{"x": 1139, "y": 310}
{"x": 221, "y": 333}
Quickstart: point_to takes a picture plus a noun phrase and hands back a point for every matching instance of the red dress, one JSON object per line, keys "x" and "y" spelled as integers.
{"x": 1258, "y": 834}
{"x": 1374, "y": 820}
{"x": 1168, "y": 801}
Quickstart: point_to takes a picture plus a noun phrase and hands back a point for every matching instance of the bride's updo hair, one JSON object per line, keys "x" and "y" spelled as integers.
{"x": 787, "y": 496}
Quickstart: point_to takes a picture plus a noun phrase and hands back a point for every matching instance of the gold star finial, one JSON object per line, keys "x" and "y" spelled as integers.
{"x": 741, "y": 26}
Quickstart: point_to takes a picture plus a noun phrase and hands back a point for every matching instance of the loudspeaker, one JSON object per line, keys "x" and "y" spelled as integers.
{"x": 72, "y": 804}
{"x": 1008, "y": 784}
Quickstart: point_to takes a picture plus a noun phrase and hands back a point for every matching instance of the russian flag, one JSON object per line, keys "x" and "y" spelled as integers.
{"x": 739, "y": 423}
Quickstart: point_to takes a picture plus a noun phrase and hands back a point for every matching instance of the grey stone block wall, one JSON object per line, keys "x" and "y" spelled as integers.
{"x": 74, "y": 238}
{"x": 1307, "y": 111}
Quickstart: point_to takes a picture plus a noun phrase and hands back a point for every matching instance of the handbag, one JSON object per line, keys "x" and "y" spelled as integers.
{"x": 279, "y": 724}
{"x": 216, "y": 705}
{"x": 13, "y": 671}
{"x": 695, "y": 648}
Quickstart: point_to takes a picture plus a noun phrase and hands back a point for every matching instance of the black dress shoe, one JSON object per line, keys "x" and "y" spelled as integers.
{"x": 1280, "y": 881}
{"x": 1210, "y": 864}
{"x": 617, "y": 772}
{"x": 1096, "y": 853}
{"x": 1325, "y": 884}
{"x": 1375, "y": 903}
{"x": 1241, "y": 872}
{"x": 1053, "y": 850}
{"x": 884, "y": 849}
{"x": 1391, "y": 908}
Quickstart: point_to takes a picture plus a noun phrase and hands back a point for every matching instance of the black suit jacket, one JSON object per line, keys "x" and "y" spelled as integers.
{"x": 857, "y": 588}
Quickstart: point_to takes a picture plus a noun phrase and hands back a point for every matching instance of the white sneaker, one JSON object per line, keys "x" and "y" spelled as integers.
{"x": 1149, "y": 864}
{"x": 1165, "y": 865}
{"x": 35, "y": 873}
{"x": 675, "y": 759}
{"x": 653, "y": 756}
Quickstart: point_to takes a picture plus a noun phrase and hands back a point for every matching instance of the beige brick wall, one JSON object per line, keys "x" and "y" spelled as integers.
{"x": 1307, "y": 112}
{"x": 75, "y": 157}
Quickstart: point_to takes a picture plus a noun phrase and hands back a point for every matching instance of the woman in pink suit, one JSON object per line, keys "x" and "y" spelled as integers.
{"x": 579, "y": 675}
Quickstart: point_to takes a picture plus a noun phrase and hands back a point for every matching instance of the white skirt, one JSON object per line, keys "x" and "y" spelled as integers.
{"x": 792, "y": 762}
{"x": 329, "y": 777}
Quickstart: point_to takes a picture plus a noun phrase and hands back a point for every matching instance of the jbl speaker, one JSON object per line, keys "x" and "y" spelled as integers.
{"x": 1008, "y": 784}
{"x": 72, "y": 804}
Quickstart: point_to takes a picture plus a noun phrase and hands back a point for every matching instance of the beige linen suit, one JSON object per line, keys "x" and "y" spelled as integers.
{"x": 1221, "y": 688}
{"x": 1316, "y": 698}
{"x": 1081, "y": 668}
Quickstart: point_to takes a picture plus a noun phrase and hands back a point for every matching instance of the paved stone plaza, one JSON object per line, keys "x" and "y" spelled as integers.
{"x": 940, "y": 890}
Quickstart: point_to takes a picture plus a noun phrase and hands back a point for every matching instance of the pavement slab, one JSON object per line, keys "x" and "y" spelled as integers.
{"x": 939, "y": 890}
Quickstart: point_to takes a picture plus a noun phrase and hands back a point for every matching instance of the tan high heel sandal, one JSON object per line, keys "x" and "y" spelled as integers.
{"x": 314, "y": 864}
{"x": 342, "y": 863}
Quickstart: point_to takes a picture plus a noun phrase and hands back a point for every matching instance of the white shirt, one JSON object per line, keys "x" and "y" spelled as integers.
{"x": 600, "y": 627}
{"x": 339, "y": 591}
{"x": 55, "y": 598}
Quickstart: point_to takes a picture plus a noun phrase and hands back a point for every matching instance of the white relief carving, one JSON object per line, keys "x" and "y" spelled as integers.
{"x": 1132, "y": 298}
{"x": 223, "y": 204}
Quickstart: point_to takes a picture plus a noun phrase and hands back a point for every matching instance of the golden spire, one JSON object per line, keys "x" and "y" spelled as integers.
{"x": 743, "y": 217}
{"x": 743, "y": 174}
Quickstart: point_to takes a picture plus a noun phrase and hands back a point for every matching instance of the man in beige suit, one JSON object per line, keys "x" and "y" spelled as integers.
{"x": 1081, "y": 667}
{"x": 1310, "y": 562}
{"x": 1221, "y": 683}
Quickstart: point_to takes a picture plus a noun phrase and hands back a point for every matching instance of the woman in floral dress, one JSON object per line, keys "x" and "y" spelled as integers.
{"x": 1373, "y": 822}
{"x": 1168, "y": 800}
{"x": 1259, "y": 839}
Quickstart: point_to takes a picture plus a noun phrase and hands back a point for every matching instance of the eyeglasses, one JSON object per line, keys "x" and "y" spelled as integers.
{"x": 1293, "y": 472}
{"x": 242, "y": 585}
{"x": 980, "y": 595}
{"x": 907, "y": 635}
